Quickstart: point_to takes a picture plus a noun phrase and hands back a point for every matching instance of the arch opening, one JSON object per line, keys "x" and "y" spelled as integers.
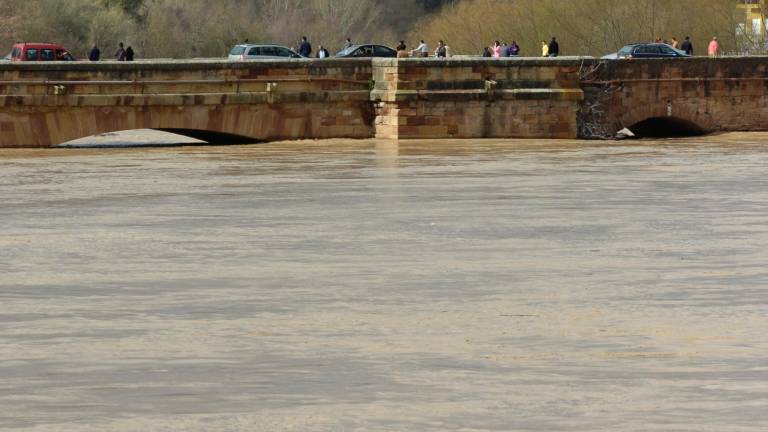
{"x": 211, "y": 137}
{"x": 157, "y": 138}
{"x": 666, "y": 127}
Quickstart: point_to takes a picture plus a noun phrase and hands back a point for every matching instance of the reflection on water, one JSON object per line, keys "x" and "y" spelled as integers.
{"x": 376, "y": 285}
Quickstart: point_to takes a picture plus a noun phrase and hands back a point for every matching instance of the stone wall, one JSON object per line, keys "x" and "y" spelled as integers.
{"x": 476, "y": 98}
{"x": 46, "y": 104}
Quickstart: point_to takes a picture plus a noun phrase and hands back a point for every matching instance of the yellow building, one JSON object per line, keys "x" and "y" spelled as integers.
{"x": 754, "y": 13}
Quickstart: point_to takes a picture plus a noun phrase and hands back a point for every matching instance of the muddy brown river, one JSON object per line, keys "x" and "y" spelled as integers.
{"x": 486, "y": 285}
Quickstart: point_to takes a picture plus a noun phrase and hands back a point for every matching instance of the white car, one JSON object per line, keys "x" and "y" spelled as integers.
{"x": 254, "y": 52}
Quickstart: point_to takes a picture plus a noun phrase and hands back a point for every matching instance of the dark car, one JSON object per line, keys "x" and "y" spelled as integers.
{"x": 647, "y": 50}
{"x": 367, "y": 50}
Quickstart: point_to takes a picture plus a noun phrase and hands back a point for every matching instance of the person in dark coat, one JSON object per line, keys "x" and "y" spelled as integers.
{"x": 442, "y": 50}
{"x": 687, "y": 46}
{"x": 129, "y": 53}
{"x": 554, "y": 48}
{"x": 120, "y": 53}
{"x": 305, "y": 48}
{"x": 94, "y": 54}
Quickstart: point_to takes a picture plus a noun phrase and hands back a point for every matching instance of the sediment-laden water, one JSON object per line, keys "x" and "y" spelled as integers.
{"x": 369, "y": 285}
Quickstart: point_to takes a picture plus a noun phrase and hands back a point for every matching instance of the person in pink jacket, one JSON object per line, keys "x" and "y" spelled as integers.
{"x": 496, "y": 49}
{"x": 714, "y": 47}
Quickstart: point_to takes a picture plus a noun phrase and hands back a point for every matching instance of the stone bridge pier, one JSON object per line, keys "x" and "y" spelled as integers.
{"x": 476, "y": 98}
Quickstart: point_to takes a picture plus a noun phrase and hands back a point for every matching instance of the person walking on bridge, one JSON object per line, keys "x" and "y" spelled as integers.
{"x": 305, "y": 48}
{"x": 442, "y": 50}
{"x": 422, "y": 50}
{"x": 129, "y": 53}
{"x": 94, "y": 54}
{"x": 496, "y": 49}
{"x": 687, "y": 46}
{"x": 714, "y": 48}
{"x": 544, "y": 49}
{"x": 120, "y": 53}
{"x": 554, "y": 48}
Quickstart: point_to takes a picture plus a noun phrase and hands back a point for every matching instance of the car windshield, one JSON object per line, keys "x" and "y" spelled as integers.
{"x": 347, "y": 50}
{"x": 626, "y": 50}
{"x": 237, "y": 50}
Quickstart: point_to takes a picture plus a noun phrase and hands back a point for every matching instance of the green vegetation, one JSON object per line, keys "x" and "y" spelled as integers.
{"x": 201, "y": 28}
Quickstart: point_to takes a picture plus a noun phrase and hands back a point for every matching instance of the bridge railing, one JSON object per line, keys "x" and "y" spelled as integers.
{"x": 183, "y": 77}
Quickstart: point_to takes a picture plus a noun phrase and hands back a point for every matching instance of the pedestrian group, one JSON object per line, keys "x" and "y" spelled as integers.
{"x": 122, "y": 53}
{"x": 499, "y": 49}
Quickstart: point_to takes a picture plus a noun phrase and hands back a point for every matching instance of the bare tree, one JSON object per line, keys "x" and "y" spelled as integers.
{"x": 587, "y": 27}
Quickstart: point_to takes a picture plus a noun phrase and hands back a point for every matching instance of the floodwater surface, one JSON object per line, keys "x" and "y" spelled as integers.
{"x": 477, "y": 285}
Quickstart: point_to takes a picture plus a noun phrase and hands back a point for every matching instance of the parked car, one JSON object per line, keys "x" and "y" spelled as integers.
{"x": 367, "y": 50}
{"x": 646, "y": 50}
{"x": 40, "y": 52}
{"x": 251, "y": 52}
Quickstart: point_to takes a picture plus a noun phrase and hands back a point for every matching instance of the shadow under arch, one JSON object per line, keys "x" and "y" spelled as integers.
{"x": 212, "y": 137}
{"x": 158, "y": 137}
{"x": 666, "y": 127}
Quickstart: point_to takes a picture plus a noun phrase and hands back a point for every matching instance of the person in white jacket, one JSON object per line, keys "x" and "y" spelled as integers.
{"x": 422, "y": 50}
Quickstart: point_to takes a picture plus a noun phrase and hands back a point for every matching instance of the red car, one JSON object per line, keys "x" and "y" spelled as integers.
{"x": 40, "y": 52}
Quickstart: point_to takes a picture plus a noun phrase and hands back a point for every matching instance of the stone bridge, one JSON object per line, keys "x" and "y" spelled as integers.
{"x": 44, "y": 104}
{"x": 225, "y": 102}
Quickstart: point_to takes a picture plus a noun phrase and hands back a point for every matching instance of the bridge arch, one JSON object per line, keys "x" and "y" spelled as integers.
{"x": 168, "y": 137}
{"x": 216, "y": 124}
{"x": 665, "y": 119}
{"x": 665, "y": 127}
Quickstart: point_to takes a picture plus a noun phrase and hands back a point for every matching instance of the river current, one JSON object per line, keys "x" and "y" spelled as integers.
{"x": 473, "y": 285}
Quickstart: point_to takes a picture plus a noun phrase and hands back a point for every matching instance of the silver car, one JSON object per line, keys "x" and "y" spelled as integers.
{"x": 254, "y": 52}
